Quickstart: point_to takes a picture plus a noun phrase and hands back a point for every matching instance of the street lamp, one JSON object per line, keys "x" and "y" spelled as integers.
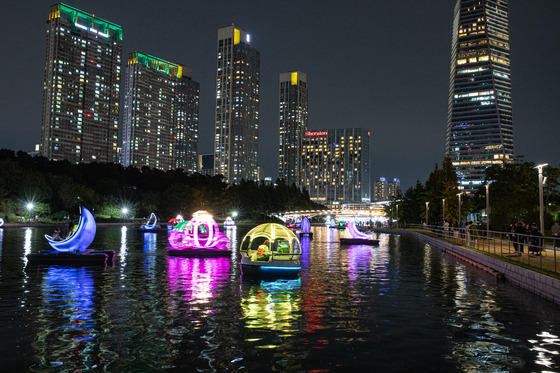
{"x": 427, "y": 209}
{"x": 29, "y": 209}
{"x": 124, "y": 211}
{"x": 459, "y": 195}
{"x": 443, "y": 209}
{"x": 487, "y": 209}
{"x": 234, "y": 214}
{"x": 540, "y": 167}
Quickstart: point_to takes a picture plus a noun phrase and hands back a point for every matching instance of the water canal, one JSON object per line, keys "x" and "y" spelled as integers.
{"x": 398, "y": 307}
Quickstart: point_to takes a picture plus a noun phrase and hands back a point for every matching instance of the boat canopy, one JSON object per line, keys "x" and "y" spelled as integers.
{"x": 282, "y": 240}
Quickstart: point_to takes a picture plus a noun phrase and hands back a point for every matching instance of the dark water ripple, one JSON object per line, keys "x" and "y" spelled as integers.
{"x": 398, "y": 307}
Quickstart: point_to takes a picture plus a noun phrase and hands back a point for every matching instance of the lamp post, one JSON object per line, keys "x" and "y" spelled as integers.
{"x": 487, "y": 209}
{"x": 540, "y": 168}
{"x": 29, "y": 209}
{"x": 427, "y": 210}
{"x": 459, "y": 195}
{"x": 443, "y": 210}
{"x": 397, "y": 216}
{"x": 124, "y": 212}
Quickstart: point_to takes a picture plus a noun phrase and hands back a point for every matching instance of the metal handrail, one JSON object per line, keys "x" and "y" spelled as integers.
{"x": 536, "y": 251}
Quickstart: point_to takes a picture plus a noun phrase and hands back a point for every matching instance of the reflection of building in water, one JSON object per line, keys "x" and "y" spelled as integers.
{"x": 66, "y": 331}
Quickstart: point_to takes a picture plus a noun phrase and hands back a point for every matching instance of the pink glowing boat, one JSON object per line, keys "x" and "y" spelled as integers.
{"x": 199, "y": 236}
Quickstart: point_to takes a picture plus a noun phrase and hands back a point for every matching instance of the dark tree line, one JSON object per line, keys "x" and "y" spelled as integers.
{"x": 513, "y": 192}
{"x": 58, "y": 188}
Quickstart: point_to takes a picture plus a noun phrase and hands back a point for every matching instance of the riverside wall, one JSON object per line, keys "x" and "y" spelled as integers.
{"x": 543, "y": 285}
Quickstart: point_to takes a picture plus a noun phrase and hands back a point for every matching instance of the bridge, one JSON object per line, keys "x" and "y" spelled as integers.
{"x": 362, "y": 211}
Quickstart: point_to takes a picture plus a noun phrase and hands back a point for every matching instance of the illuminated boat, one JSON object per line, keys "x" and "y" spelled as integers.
{"x": 74, "y": 248}
{"x": 198, "y": 237}
{"x": 174, "y": 221}
{"x": 270, "y": 250}
{"x": 305, "y": 228}
{"x": 357, "y": 237}
{"x": 229, "y": 222}
{"x": 151, "y": 225}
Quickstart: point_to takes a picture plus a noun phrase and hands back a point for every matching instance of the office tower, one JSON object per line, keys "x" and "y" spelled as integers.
{"x": 161, "y": 115}
{"x": 381, "y": 191}
{"x": 81, "y": 87}
{"x": 480, "y": 125}
{"x": 393, "y": 188}
{"x": 237, "y": 106}
{"x": 293, "y": 124}
{"x": 336, "y": 166}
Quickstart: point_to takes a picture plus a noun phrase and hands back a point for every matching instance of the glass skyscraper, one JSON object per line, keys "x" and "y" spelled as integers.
{"x": 81, "y": 87}
{"x": 293, "y": 124}
{"x": 237, "y": 106}
{"x": 161, "y": 115}
{"x": 480, "y": 124}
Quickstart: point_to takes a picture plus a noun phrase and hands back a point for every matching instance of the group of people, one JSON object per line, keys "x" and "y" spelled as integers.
{"x": 263, "y": 252}
{"x": 526, "y": 235}
{"x": 57, "y": 235}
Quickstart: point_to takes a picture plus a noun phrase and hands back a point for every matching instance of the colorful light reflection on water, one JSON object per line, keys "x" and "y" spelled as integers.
{"x": 401, "y": 306}
{"x": 67, "y": 331}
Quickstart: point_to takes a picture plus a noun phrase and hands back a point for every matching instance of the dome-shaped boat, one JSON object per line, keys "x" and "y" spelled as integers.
{"x": 270, "y": 249}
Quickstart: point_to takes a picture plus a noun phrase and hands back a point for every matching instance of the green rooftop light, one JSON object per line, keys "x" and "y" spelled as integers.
{"x": 155, "y": 63}
{"x": 86, "y": 21}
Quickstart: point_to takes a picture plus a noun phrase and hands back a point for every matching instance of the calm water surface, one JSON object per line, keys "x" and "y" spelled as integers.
{"x": 398, "y": 307}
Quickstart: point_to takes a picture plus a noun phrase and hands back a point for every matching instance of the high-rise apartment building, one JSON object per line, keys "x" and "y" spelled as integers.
{"x": 237, "y": 106}
{"x": 336, "y": 166}
{"x": 393, "y": 187}
{"x": 480, "y": 124}
{"x": 381, "y": 191}
{"x": 293, "y": 124}
{"x": 81, "y": 87}
{"x": 161, "y": 115}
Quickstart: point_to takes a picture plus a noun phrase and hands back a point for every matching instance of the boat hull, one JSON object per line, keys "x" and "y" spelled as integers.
{"x": 276, "y": 269}
{"x": 205, "y": 253}
{"x": 56, "y": 257}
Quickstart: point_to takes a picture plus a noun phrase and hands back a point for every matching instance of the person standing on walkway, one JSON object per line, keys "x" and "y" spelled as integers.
{"x": 520, "y": 232}
{"x": 535, "y": 244}
{"x": 555, "y": 231}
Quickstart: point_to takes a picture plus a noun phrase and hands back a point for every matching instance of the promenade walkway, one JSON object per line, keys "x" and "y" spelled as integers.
{"x": 541, "y": 256}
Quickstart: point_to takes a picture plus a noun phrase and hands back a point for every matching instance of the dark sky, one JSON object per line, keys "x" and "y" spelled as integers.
{"x": 380, "y": 65}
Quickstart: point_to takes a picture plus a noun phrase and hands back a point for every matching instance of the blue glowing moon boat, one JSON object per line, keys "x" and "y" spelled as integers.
{"x": 151, "y": 225}
{"x": 82, "y": 237}
{"x": 281, "y": 259}
{"x": 73, "y": 249}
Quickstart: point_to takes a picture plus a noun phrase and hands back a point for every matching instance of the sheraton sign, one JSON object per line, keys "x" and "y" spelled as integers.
{"x": 316, "y": 133}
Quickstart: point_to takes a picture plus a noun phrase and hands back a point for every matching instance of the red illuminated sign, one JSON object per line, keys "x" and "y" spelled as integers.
{"x": 316, "y": 133}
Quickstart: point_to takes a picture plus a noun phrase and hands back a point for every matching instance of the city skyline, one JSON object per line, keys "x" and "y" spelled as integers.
{"x": 368, "y": 65}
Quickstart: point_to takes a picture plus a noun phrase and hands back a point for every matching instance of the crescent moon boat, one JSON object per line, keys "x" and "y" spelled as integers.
{"x": 199, "y": 236}
{"x": 151, "y": 225}
{"x": 270, "y": 250}
{"x": 358, "y": 238}
{"x": 74, "y": 248}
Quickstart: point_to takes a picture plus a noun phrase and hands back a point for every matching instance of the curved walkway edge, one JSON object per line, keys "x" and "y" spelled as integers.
{"x": 543, "y": 285}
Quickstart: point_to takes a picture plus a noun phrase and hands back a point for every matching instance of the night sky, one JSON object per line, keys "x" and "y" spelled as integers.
{"x": 379, "y": 65}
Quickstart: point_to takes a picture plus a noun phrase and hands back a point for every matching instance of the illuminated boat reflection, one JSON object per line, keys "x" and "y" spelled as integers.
{"x": 67, "y": 334}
